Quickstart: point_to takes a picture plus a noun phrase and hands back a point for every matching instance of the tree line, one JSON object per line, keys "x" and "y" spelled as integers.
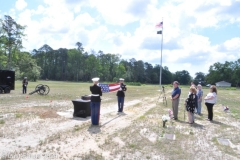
{"x": 228, "y": 71}
{"x": 76, "y": 64}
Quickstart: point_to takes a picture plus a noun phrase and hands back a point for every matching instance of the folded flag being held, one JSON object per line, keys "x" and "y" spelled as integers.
{"x": 109, "y": 87}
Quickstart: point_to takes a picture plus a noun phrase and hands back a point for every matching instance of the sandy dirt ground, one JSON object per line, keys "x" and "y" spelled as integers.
{"x": 36, "y": 130}
{"x": 43, "y": 129}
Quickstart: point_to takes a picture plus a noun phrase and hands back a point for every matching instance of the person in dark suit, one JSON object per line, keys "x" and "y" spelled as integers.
{"x": 95, "y": 101}
{"x": 121, "y": 95}
{"x": 24, "y": 85}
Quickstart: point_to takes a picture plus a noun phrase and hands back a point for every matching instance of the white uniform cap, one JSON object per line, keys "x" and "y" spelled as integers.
{"x": 96, "y": 79}
{"x": 25, "y": 77}
{"x": 121, "y": 79}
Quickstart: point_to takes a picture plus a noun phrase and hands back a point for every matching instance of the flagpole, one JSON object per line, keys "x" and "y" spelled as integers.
{"x": 160, "y": 77}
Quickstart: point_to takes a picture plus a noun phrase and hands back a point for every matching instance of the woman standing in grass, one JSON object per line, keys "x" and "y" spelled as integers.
{"x": 191, "y": 104}
{"x": 210, "y": 100}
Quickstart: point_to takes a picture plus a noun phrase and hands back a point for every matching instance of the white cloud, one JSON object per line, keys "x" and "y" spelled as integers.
{"x": 113, "y": 12}
{"x": 122, "y": 12}
{"x": 195, "y": 43}
{"x": 233, "y": 44}
{"x": 83, "y": 20}
{"x": 62, "y": 23}
{"x": 20, "y": 4}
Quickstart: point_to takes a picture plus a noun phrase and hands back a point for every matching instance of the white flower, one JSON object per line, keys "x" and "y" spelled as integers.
{"x": 165, "y": 118}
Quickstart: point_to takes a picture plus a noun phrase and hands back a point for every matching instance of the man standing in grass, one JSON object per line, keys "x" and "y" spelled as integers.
{"x": 121, "y": 95}
{"x": 175, "y": 99}
{"x": 95, "y": 101}
{"x": 24, "y": 85}
{"x": 199, "y": 95}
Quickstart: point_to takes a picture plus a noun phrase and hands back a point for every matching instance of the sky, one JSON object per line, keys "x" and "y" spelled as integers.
{"x": 196, "y": 34}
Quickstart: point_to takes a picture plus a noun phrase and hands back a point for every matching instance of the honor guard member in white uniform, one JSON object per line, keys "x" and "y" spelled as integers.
{"x": 95, "y": 101}
{"x": 121, "y": 95}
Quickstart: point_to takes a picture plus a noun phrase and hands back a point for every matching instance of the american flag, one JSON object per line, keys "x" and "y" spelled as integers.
{"x": 159, "y": 25}
{"x": 109, "y": 87}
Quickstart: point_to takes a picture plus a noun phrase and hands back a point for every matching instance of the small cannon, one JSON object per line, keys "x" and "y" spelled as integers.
{"x": 41, "y": 89}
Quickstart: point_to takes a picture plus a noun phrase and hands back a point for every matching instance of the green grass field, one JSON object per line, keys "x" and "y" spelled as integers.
{"x": 30, "y": 125}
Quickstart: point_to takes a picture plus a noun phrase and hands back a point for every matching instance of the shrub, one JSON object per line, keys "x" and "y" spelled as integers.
{"x": 18, "y": 115}
{"x": 231, "y": 88}
{"x": 2, "y": 121}
{"x": 133, "y": 83}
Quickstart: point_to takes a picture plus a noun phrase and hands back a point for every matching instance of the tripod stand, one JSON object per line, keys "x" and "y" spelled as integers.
{"x": 163, "y": 95}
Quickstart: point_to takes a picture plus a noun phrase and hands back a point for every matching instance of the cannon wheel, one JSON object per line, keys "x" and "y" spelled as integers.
{"x": 47, "y": 89}
{"x": 38, "y": 87}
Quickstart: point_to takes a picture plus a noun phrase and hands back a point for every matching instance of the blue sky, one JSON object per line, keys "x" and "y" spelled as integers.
{"x": 196, "y": 33}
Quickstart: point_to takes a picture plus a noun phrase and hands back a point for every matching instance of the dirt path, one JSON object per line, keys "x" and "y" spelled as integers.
{"x": 66, "y": 136}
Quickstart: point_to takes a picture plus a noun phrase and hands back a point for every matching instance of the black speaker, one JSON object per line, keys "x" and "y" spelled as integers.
{"x": 81, "y": 108}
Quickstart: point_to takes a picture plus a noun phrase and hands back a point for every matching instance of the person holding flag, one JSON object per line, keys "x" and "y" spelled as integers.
{"x": 121, "y": 95}
{"x": 95, "y": 101}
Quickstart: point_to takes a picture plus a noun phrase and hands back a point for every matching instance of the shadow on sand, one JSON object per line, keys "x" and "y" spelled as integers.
{"x": 195, "y": 125}
{"x": 80, "y": 118}
{"x": 94, "y": 129}
{"x": 219, "y": 123}
{"x": 119, "y": 114}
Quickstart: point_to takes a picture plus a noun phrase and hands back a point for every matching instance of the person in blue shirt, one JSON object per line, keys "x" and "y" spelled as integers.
{"x": 199, "y": 95}
{"x": 175, "y": 99}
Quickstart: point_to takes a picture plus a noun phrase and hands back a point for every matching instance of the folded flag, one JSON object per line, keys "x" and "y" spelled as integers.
{"x": 109, "y": 87}
{"x": 159, "y": 25}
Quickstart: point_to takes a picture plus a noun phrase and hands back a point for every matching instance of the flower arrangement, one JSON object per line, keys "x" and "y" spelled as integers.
{"x": 165, "y": 118}
{"x": 170, "y": 112}
{"x": 225, "y": 108}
